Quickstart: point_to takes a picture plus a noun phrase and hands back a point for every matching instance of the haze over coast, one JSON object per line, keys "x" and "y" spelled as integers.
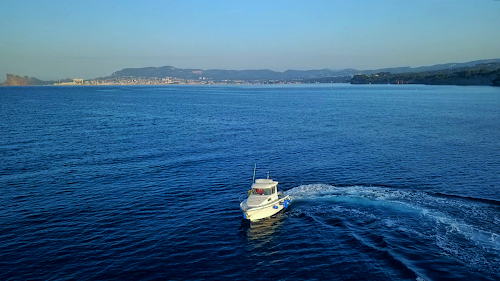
{"x": 483, "y": 72}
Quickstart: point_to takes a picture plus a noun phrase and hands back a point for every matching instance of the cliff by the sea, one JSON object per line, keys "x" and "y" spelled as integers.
{"x": 16, "y": 80}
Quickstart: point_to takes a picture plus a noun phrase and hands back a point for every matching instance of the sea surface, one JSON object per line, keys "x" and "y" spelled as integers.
{"x": 388, "y": 182}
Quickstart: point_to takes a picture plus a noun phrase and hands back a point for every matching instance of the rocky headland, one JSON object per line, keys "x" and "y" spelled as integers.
{"x": 16, "y": 80}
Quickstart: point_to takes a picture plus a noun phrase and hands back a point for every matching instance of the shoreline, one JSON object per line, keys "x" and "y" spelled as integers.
{"x": 246, "y": 84}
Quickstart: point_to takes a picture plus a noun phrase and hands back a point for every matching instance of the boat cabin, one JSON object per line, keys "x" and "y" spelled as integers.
{"x": 264, "y": 187}
{"x": 263, "y": 191}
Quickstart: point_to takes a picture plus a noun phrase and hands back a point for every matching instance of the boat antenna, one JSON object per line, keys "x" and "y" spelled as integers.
{"x": 254, "y": 167}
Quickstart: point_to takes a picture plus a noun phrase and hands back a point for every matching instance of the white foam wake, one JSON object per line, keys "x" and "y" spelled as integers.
{"x": 465, "y": 229}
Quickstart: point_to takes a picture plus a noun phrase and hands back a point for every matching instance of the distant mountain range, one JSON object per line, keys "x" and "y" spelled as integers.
{"x": 266, "y": 74}
{"x": 222, "y": 74}
{"x": 445, "y": 66}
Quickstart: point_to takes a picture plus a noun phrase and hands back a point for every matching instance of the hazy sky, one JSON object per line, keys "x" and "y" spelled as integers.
{"x": 57, "y": 39}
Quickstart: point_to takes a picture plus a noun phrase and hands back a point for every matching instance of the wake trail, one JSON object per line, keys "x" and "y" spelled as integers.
{"x": 467, "y": 229}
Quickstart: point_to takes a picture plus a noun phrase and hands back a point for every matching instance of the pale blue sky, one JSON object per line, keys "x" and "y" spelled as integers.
{"x": 57, "y": 39}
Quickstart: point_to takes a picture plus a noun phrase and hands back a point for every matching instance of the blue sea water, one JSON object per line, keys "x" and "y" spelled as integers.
{"x": 388, "y": 182}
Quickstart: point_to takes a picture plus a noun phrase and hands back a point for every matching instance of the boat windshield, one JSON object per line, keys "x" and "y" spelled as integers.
{"x": 262, "y": 191}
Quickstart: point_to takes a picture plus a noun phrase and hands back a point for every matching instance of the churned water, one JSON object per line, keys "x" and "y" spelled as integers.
{"x": 387, "y": 182}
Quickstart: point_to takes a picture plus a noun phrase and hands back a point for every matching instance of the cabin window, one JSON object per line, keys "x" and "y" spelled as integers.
{"x": 260, "y": 191}
{"x": 263, "y": 191}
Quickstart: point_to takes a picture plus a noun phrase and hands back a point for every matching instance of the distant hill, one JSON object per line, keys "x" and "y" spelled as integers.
{"x": 449, "y": 66}
{"x": 222, "y": 74}
{"x": 16, "y": 80}
{"x": 487, "y": 74}
{"x": 473, "y": 72}
{"x": 266, "y": 74}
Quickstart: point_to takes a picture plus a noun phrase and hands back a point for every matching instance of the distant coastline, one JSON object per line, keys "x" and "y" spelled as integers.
{"x": 480, "y": 73}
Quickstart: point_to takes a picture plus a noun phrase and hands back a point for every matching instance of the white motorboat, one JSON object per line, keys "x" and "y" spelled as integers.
{"x": 264, "y": 200}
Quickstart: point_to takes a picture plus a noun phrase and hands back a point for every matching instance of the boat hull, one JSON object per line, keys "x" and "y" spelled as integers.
{"x": 254, "y": 214}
